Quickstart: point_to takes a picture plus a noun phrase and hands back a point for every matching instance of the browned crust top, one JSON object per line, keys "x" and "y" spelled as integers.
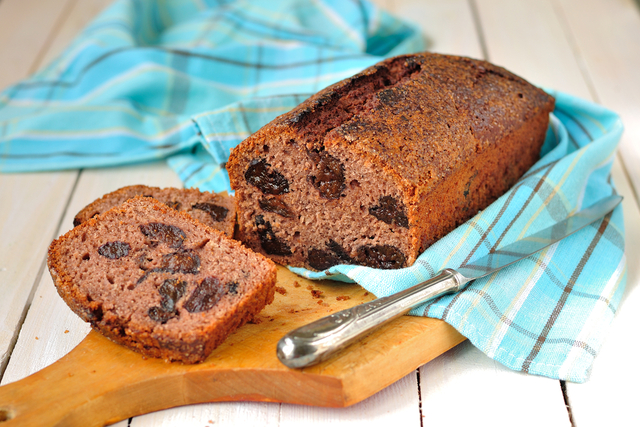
{"x": 445, "y": 110}
{"x": 216, "y": 210}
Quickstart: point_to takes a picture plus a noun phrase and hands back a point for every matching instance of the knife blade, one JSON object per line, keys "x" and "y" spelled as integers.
{"x": 319, "y": 340}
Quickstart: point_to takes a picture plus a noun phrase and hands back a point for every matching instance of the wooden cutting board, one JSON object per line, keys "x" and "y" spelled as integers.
{"x": 100, "y": 382}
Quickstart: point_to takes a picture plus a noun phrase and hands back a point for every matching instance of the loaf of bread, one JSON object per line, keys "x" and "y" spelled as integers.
{"x": 375, "y": 168}
{"x": 215, "y": 210}
{"x": 158, "y": 281}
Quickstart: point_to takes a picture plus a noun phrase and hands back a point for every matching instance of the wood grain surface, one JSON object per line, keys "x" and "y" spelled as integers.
{"x": 101, "y": 382}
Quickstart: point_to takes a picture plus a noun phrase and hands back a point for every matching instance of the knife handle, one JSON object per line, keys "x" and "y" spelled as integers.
{"x": 317, "y": 341}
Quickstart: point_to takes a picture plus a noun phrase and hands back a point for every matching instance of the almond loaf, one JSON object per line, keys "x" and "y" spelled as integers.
{"x": 158, "y": 281}
{"x": 375, "y": 168}
{"x": 215, "y": 210}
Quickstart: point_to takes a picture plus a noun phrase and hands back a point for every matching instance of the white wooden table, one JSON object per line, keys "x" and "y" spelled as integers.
{"x": 588, "y": 48}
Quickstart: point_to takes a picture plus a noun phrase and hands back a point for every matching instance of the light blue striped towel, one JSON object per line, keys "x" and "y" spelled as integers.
{"x": 188, "y": 80}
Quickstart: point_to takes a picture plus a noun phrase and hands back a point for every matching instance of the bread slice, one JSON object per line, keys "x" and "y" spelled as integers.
{"x": 376, "y": 168}
{"x": 215, "y": 210}
{"x": 158, "y": 281}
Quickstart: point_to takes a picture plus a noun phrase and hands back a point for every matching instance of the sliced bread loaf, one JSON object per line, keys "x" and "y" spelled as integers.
{"x": 158, "y": 281}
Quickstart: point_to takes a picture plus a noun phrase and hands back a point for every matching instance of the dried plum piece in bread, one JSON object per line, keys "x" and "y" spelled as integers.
{"x": 216, "y": 210}
{"x": 158, "y": 281}
{"x": 375, "y": 168}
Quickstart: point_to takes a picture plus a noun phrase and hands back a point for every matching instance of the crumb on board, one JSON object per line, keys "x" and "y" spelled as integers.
{"x": 310, "y": 287}
{"x": 343, "y": 297}
{"x": 281, "y": 290}
{"x": 316, "y": 293}
{"x": 296, "y": 284}
{"x": 322, "y": 303}
{"x": 366, "y": 293}
{"x": 256, "y": 320}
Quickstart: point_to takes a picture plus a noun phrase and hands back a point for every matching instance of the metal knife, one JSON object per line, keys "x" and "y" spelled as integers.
{"x": 317, "y": 341}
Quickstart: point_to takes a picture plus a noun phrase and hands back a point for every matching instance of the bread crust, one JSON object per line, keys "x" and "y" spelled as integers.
{"x": 217, "y": 210}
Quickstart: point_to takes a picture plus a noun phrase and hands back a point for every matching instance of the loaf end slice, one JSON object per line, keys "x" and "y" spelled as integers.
{"x": 212, "y": 209}
{"x": 159, "y": 282}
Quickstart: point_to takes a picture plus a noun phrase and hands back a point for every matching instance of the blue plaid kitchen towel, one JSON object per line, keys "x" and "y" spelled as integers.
{"x": 189, "y": 80}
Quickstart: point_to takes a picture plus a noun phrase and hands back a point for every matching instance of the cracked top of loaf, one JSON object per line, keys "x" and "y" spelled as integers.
{"x": 388, "y": 111}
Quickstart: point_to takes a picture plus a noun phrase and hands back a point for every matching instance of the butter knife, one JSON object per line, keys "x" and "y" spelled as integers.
{"x": 319, "y": 340}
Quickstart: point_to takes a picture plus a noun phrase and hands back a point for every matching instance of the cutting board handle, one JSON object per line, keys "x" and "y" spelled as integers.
{"x": 92, "y": 385}
{"x": 100, "y": 382}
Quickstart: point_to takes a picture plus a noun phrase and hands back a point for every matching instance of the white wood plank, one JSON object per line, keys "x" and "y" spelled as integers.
{"x": 387, "y": 5}
{"x": 528, "y": 39}
{"x": 465, "y": 387}
{"x": 31, "y": 207}
{"x": 397, "y": 404}
{"x": 609, "y": 397}
{"x": 448, "y": 26}
{"x": 607, "y": 35}
{"x": 214, "y": 414}
{"x": 72, "y": 23}
{"x": 26, "y": 26}
{"x": 50, "y": 331}
{"x": 31, "y": 204}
